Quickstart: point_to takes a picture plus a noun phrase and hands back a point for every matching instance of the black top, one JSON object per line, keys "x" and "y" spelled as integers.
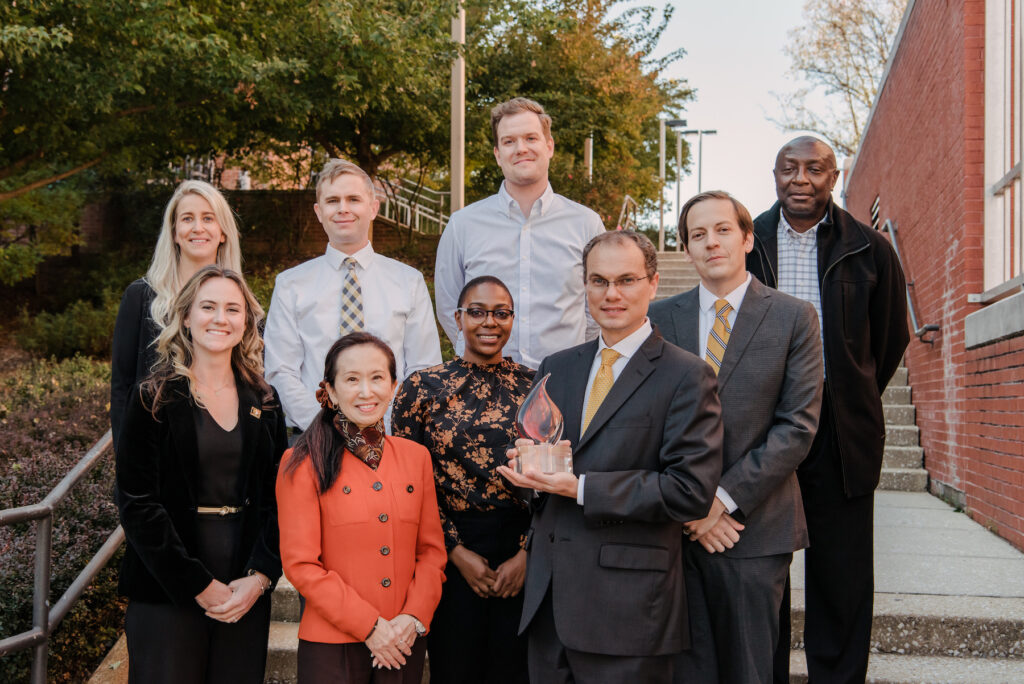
{"x": 132, "y": 350}
{"x": 220, "y": 460}
{"x": 464, "y": 413}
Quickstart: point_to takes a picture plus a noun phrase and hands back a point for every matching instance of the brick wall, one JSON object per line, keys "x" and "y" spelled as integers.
{"x": 923, "y": 156}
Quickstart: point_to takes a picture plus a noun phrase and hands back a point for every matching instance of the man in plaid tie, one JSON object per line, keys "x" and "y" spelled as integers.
{"x": 604, "y": 595}
{"x": 348, "y": 288}
{"x": 764, "y": 347}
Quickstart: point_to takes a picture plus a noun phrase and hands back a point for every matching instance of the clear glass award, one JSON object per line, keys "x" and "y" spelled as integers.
{"x": 540, "y": 420}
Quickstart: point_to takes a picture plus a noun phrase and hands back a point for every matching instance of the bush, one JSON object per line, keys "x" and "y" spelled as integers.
{"x": 82, "y": 328}
{"x": 50, "y": 413}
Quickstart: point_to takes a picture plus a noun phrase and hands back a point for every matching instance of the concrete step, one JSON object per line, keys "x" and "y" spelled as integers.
{"x": 901, "y": 669}
{"x": 281, "y": 652}
{"x": 935, "y": 625}
{"x": 284, "y": 603}
{"x": 899, "y": 378}
{"x": 904, "y": 480}
{"x": 896, "y": 395}
{"x": 899, "y": 414}
{"x": 905, "y": 457}
{"x": 902, "y": 435}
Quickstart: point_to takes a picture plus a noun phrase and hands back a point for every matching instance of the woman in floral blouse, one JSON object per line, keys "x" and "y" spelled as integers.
{"x": 464, "y": 413}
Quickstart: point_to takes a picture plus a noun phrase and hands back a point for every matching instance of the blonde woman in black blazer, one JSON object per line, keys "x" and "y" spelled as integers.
{"x": 196, "y": 469}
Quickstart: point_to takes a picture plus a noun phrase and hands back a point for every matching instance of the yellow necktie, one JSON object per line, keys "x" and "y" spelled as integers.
{"x": 718, "y": 338}
{"x": 603, "y": 382}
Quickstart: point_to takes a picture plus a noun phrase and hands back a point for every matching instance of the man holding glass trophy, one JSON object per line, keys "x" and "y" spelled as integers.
{"x": 604, "y": 594}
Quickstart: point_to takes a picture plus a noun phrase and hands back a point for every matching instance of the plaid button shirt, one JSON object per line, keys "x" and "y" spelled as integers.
{"x": 798, "y": 266}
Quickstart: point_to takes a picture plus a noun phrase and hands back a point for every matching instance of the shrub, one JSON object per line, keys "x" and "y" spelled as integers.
{"x": 82, "y": 328}
{"x": 50, "y": 413}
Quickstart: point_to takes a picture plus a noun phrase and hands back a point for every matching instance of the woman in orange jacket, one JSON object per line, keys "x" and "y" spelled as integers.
{"x": 361, "y": 536}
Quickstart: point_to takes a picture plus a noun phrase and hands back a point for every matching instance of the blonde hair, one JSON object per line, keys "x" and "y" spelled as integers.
{"x": 175, "y": 351}
{"x": 339, "y": 167}
{"x": 162, "y": 275}
{"x": 518, "y": 105}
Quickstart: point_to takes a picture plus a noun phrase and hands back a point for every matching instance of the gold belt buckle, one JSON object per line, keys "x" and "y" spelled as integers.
{"x": 221, "y": 511}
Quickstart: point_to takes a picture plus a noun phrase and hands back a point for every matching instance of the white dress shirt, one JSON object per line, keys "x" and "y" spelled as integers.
{"x": 626, "y": 347}
{"x": 305, "y": 320}
{"x": 539, "y": 258}
{"x": 707, "y": 321}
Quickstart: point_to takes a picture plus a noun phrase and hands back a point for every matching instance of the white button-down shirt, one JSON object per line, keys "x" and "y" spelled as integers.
{"x": 305, "y": 320}
{"x": 707, "y": 321}
{"x": 540, "y": 260}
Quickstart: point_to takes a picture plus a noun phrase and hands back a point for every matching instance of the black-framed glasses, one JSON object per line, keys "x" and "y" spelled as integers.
{"x": 475, "y": 314}
{"x": 624, "y": 283}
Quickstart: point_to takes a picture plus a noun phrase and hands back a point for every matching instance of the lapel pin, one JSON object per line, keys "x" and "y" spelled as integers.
{"x": 255, "y": 412}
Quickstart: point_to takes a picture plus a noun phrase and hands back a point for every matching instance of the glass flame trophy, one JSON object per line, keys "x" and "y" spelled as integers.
{"x": 540, "y": 420}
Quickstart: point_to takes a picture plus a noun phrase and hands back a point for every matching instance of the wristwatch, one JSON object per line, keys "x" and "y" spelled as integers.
{"x": 420, "y": 629}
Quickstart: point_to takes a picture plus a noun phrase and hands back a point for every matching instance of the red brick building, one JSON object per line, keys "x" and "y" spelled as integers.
{"x": 941, "y": 160}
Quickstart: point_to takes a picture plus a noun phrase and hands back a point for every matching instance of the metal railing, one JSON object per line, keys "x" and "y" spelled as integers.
{"x": 919, "y": 330}
{"x": 45, "y": 617}
{"x": 627, "y": 217}
{"x": 411, "y": 205}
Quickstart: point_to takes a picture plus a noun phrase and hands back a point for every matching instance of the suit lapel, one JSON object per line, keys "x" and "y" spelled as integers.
{"x": 249, "y": 413}
{"x": 686, "y": 320}
{"x": 756, "y": 303}
{"x": 574, "y": 388}
{"x": 631, "y": 377}
{"x": 183, "y": 429}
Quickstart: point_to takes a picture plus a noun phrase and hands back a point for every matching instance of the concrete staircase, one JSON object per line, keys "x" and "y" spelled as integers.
{"x": 284, "y": 634}
{"x": 903, "y": 461}
{"x": 677, "y": 274}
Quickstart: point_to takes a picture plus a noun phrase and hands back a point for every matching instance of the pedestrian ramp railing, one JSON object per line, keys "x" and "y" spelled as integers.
{"x": 413, "y": 206}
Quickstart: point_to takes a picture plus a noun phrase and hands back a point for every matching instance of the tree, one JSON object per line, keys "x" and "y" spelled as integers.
{"x": 594, "y": 74}
{"x": 841, "y": 49}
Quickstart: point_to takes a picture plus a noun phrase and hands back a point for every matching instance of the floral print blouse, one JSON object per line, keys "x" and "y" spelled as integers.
{"x": 465, "y": 414}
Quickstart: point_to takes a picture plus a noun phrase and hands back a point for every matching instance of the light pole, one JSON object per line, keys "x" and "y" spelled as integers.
{"x": 661, "y": 190}
{"x": 676, "y": 124}
{"x": 700, "y": 151}
{"x": 458, "y": 149}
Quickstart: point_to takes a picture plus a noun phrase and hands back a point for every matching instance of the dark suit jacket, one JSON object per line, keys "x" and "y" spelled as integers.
{"x": 157, "y": 471}
{"x": 652, "y": 456}
{"x": 131, "y": 351}
{"x": 770, "y": 388}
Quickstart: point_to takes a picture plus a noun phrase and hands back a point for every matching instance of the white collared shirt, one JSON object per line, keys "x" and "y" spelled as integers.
{"x": 627, "y": 348}
{"x": 707, "y": 310}
{"x": 540, "y": 260}
{"x": 305, "y": 320}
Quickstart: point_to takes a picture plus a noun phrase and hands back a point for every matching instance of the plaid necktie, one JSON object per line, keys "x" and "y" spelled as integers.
{"x": 351, "y": 300}
{"x": 603, "y": 382}
{"x": 718, "y": 338}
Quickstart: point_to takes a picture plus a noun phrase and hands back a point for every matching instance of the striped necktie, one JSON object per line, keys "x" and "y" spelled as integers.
{"x": 603, "y": 382}
{"x": 351, "y": 300}
{"x": 718, "y": 338}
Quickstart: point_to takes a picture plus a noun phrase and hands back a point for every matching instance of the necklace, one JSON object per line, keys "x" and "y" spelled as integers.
{"x": 218, "y": 390}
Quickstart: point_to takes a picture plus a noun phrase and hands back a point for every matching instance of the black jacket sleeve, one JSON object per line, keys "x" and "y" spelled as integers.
{"x": 132, "y": 334}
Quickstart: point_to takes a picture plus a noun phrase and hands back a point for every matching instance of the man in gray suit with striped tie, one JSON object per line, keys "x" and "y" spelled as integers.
{"x": 765, "y": 348}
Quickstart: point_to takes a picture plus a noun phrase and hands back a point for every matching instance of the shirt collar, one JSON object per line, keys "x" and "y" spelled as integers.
{"x": 735, "y": 298}
{"x": 628, "y": 345}
{"x": 786, "y": 230}
{"x": 540, "y": 207}
{"x": 335, "y": 257}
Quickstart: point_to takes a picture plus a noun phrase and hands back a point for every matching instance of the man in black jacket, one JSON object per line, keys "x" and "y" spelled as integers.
{"x": 808, "y": 247}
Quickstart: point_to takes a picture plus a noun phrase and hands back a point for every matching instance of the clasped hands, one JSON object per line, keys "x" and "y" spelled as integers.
{"x": 563, "y": 484}
{"x": 717, "y": 532}
{"x": 229, "y": 602}
{"x": 391, "y": 641}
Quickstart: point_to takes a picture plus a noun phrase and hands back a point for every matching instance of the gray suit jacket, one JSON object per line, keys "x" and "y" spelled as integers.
{"x": 652, "y": 457}
{"x": 770, "y": 387}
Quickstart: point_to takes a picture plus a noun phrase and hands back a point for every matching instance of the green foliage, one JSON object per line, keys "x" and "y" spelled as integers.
{"x": 51, "y": 413}
{"x": 82, "y": 328}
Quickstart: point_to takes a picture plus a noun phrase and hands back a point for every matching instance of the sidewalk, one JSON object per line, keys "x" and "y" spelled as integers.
{"x": 949, "y": 597}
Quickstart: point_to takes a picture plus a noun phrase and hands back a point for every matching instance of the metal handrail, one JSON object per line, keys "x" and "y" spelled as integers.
{"x": 919, "y": 330}
{"x": 45, "y": 618}
{"x": 627, "y": 217}
{"x": 413, "y": 206}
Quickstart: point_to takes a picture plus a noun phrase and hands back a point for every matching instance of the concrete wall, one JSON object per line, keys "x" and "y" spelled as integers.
{"x": 923, "y": 156}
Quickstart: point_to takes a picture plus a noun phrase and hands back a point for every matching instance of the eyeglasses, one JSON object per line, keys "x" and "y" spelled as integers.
{"x": 479, "y": 315}
{"x": 599, "y": 283}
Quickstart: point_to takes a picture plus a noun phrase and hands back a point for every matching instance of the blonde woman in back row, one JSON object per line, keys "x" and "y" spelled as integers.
{"x": 198, "y": 230}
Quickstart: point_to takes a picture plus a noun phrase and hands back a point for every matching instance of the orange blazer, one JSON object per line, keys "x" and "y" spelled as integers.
{"x": 370, "y": 546}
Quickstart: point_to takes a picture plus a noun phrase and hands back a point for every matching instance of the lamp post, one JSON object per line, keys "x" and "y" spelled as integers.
{"x": 458, "y": 134}
{"x": 661, "y": 190}
{"x": 700, "y": 150}
{"x": 676, "y": 124}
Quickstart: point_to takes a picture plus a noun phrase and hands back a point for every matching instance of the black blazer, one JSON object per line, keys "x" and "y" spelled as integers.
{"x": 132, "y": 353}
{"x": 157, "y": 470}
{"x": 652, "y": 456}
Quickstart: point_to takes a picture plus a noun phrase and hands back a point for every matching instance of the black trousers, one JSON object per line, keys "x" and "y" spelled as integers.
{"x": 839, "y": 580}
{"x": 352, "y": 664}
{"x": 476, "y": 640}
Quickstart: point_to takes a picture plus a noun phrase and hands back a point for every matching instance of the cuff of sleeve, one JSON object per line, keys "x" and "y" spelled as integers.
{"x": 730, "y": 505}
{"x": 579, "y": 490}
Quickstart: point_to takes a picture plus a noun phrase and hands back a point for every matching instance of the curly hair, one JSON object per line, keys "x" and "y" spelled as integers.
{"x": 175, "y": 352}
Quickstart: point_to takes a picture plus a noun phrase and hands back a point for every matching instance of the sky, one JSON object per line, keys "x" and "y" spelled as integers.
{"x": 734, "y": 60}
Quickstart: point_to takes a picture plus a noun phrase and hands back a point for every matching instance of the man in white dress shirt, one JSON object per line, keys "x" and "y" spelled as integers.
{"x": 350, "y": 287}
{"x": 526, "y": 235}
